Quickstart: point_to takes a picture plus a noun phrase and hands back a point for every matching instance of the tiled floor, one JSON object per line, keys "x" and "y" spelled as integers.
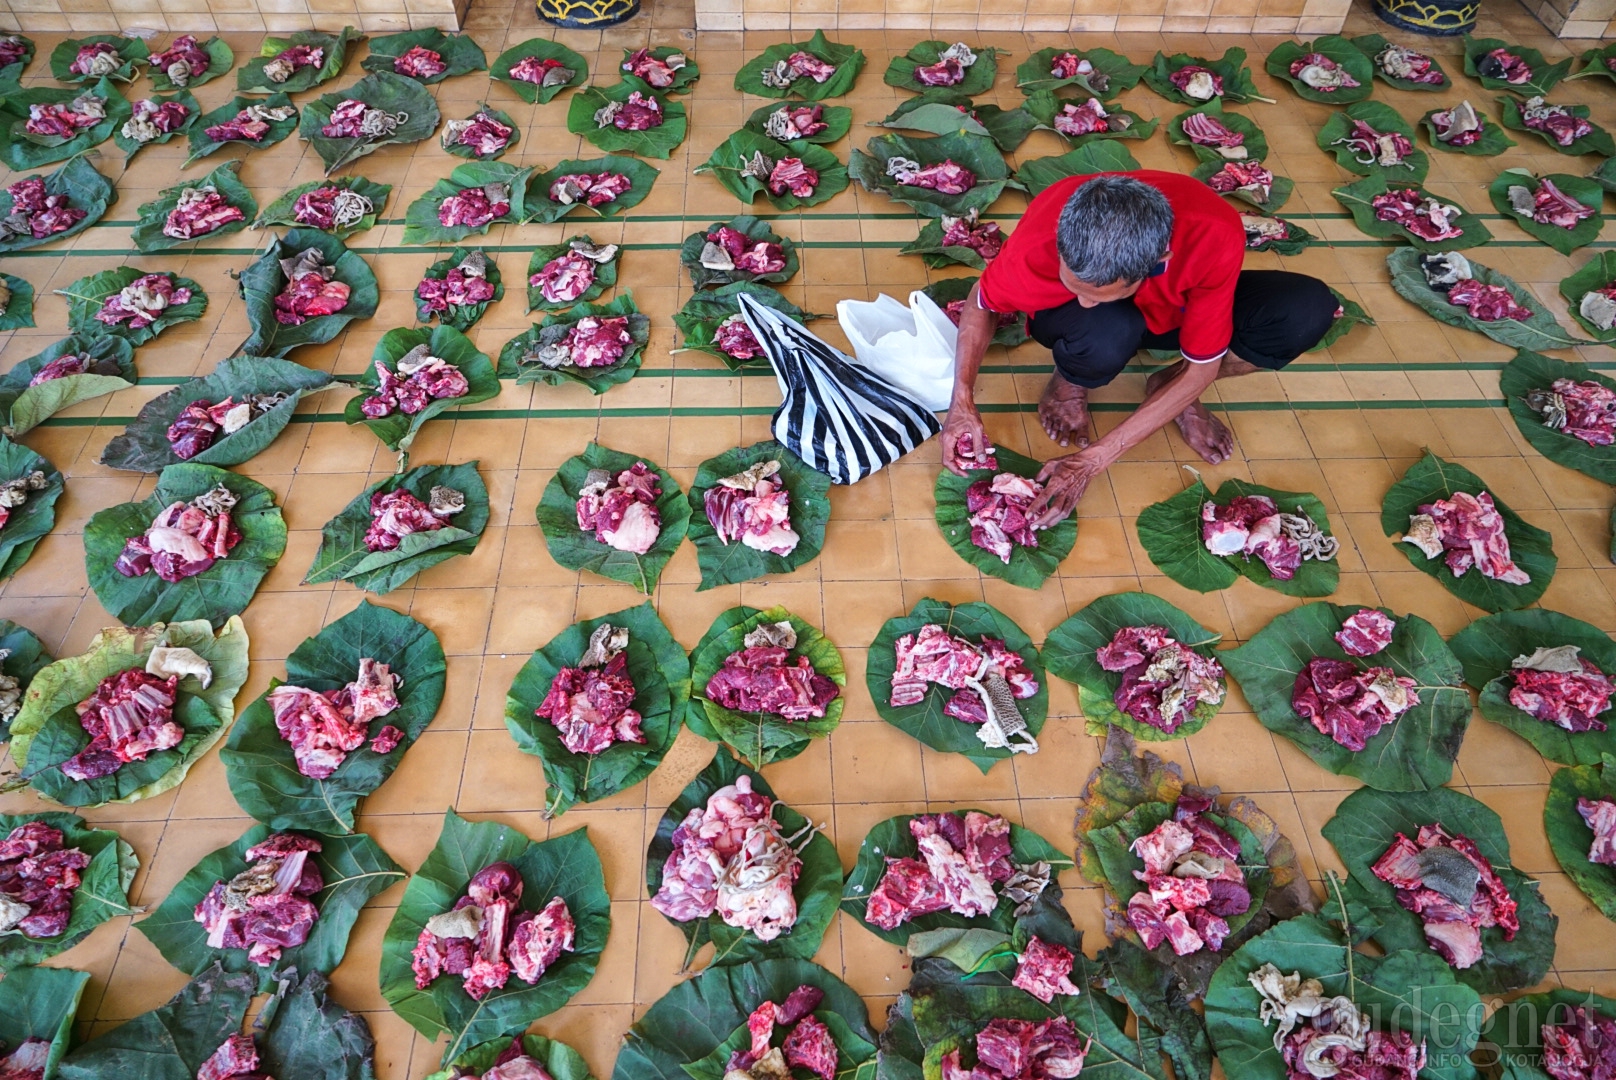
{"x": 1342, "y": 424}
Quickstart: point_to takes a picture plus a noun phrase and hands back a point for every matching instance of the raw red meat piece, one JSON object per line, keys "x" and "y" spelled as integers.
{"x": 983, "y": 238}
{"x": 759, "y": 257}
{"x": 457, "y": 288}
{"x": 1321, "y": 73}
{"x": 96, "y": 58}
{"x": 1069, "y": 66}
{"x": 1401, "y": 62}
{"x": 1418, "y": 213}
{"x": 310, "y": 295}
{"x": 1248, "y": 176}
{"x": 152, "y": 119}
{"x": 475, "y": 207}
{"x": 965, "y": 857}
{"x": 182, "y": 61}
{"x": 1385, "y": 1055}
{"x": 796, "y": 1009}
{"x": 1076, "y": 120}
{"x": 531, "y": 69}
{"x": 425, "y": 379}
{"x": 1022, "y": 1050}
{"x": 484, "y": 133}
{"x": 791, "y": 122}
{"x": 396, "y": 514}
{"x": 946, "y": 177}
{"x": 143, "y": 301}
{"x": 1471, "y": 530}
{"x": 269, "y": 906}
{"x": 1569, "y": 700}
{"x": 130, "y": 716}
{"x": 809, "y": 1046}
{"x": 250, "y": 124}
{"x": 1564, "y": 126}
{"x": 1365, "y": 632}
{"x": 200, "y": 211}
{"x": 1488, "y": 303}
{"x": 420, "y": 63}
{"x": 12, "y": 49}
{"x": 1044, "y": 970}
{"x": 43, "y": 215}
{"x": 906, "y": 891}
{"x": 1199, "y": 83}
{"x": 386, "y": 740}
{"x": 564, "y": 278}
{"x": 38, "y": 877}
{"x": 1551, "y": 206}
{"x": 63, "y": 121}
{"x": 539, "y": 938}
{"x": 28, "y": 1060}
{"x": 622, "y": 512}
{"x": 767, "y": 679}
{"x": 1600, "y": 816}
{"x": 201, "y": 422}
{"x": 61, "y": 368}
{"x": 734, "y": 338}
{"x": 513, "y": 1064}
{"x": 753, "y": 507}
{"x": 236, "y": 1056}
{"x": 998, "y": 513}
{"x": 805, "y": 63}
{"x": 1590, "y": 410}
{"x": 950, "y": 68}
{"x": 1163, "y": 681}
{"x": 1349, "y": 705}
{"x": 933, "y": 655}
{"x": 347, "y": 120}
{"x": 325, "y": 727}
{"x": 1580, "y": 1047}
{"x": 487, "y": 943}
{"x": 1505, "y": 65}
{"x": 591, "y": 189}
{"x": 1458, "y": 126}
{"x": 1193, "y": 881}
{"x": 184, "y": 539}
{"x": 1251, "y": 525}
{"x": 1204, "y": 130}
{"x": 658, "y": 73}
{"x": 596, "y": 341}
{"x": 1371, "y": 147}
{"x": 1453, "y": 902}
{"x": 637, "y": 113}
{"x": 790, "y": 174}
{"x": 330, "y": 207}
{"x": 299, "y": 56}
{"x": 592, "y": 706}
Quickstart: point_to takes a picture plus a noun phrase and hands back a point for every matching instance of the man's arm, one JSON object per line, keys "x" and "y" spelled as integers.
{"x": 976, "y": 328}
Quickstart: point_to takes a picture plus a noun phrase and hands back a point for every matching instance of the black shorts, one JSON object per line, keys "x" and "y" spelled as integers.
{"x": 1278, "y": 316}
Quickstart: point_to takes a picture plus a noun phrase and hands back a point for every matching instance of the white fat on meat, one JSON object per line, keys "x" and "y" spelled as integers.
{"x": 172, "y": 661}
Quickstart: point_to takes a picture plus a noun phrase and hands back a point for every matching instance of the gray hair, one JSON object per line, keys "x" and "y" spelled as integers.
{"x": 1114, "y": 228}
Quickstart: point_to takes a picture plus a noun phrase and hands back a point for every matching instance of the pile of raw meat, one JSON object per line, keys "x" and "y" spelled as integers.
{"x": 202, "y": 422}
{"x": 1384, "y": 149}
{"x": 1450, "y": 273}
{"x": 946, "y": 178}
{"x": 152, "y": 119}
{"x": 1365, "y": 632}
{"x": 730, "y": 859}
{"x": 1070, "y": 66}
{"x": 987, "y": 679}
{"x": 621, "y": 511}
{"x": 1600, "y": 817}
{"x": 420, "y": 63}
{"x": 734, "y": 338}
{"x": 324, "y": 727}
{"x": 1193, "y": 881}
{"x": 184, "y": 539}
{"x": 200, "y": 211}
{"x": 1022, "y": 1050}
{"x": 532, "y": 69}
{"x": 1402, "y": 62}
{"x": 763, "y": 677}
{"x": 1548, "y": 205}
{"x": 1470, "y": 530}
{"x": 1203, "y": 130}
{"x": 182, "y": 61}
{"x": 1446, "y": 881}
{"x": 396, "y": 514}
{"x": 421, "y": 379}
{"x": 807, "y": 1045}
{"x": 36, "y": 214}
{"x": 465, "y": 285}
{"x": 1348, "y": 704}
{"x": 27, "y": 1061}
{"x": 1253, "y": 525}
{"x": 1262, "y": 230}
{"x": 658, "y": 73}
{"x": 1584, "y": 410}
{"x": 1089, "y": 118}
{"x": 591, "y": 189}
{"x": 484, "y": 133}
{"x": 592, "y": 703}
{"x": 1317, "y": 1034}
{"x": 1322, "y": 74}
{"x": 14, "y": 494}
{"x": 1559, "y": 687}
{"x": 475, "y": 207}
{"x": 143, "y": 301}
{"x": 38, "y": 877}
{"x": 96, "y": 59}
{"x": 1504, "y": 65}
{"x": 754, "y": 507}
{"x": 639, "y": 112}
{"x": 794, "y": 67}
{"x": 354, "y": 119}
{"x": 998, "y": 511}
{"x": 728, "y": 249}
{"x": 1458, "y": 126}
{"x": 237, "y": 1057}
{"x": 1417, "y": 212}
{"x": 131, "y": 713}
{"x": 1247, "y": 176}
{"x": 13, "y": 47}
{"x": 593, "y": 341}
{"x": 270, "y": 905}
{"x": 1163, "y": 680}
{"x": 250, "y": 124}
{"x": 331, "y": 207}
{"x": 289, "y": 62}
{"x": 790, "y": 122}
{"x": 1558, "y": 121}
{"x": 1581, "y": 1047}
{"x": 486, "y": 937}
{"x": 1598, "y": 306}
{"x": 311, "y": 289}
{"x": 1197, "y": 83}
{"x": 54, "y": 120}
{"x": 964, "y": 864}
{"x": 984, "y": 238}
{"x": 513, "y": 1063}
{"x": 69, "y": 364}
{"x": 1044, "y": 970}
{"x": 950, "y": 68}
{"x": 789, "y": 174}
{"x": 572, "y": 273}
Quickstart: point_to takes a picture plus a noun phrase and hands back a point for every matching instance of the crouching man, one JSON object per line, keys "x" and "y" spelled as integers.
{"x": 1110, "y": 264}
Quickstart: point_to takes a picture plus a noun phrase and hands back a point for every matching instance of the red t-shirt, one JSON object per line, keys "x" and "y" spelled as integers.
{"x": 1194, "y": 294}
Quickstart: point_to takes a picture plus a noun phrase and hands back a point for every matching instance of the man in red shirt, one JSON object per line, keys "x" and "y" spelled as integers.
{"x": 1107, "y": 265}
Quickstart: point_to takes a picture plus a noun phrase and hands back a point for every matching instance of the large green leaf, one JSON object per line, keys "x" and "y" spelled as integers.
{"x": 1529, "y": 371}
{"x": 891, "y": 839}
{"x": 1278, "y": 192}
{"x": 1366, "y": 824}
{"x": 702, "y": 314}
{"x": 305, "y": 1033}
{"x": 1597, "y": 141}
{"x": 1487, "y": 648}
{"x": 1171, "y": 534}
{"x": 655, "y": 142}
{"x": 221, "y": 58}
{"x": 698, "y": 1015}
{"x": 22, "y": 150}
{"x": 264, "y": 280}
{"x": 974, "y": 152}
{"x": 281, "y": 211}
{"x": 1069, "y": 654}
{"x": 544, "y": 49}
{"x": 1037, "y": 72}
{"x": 102, "y": 894}
{"x": 18, "y": 310}
{"x": 557, "y": 1059}
{"x": 1352, "y": 314}
{"x": 757, "y": 231}
{"x": 942, "y": 111}
{"x": 576, "y": 550}
{"x": 1254, "y": 141}
{"x": 847, "y": 61}
{"x": 817, "y": 890}
{"x": 978, "y": 77}
{"x": 660, "y": 672}
{"x": 728, "y": 159}
{"x": 131, "y": 51}
{"x": 925, "y": 720}
{"x": 172, "y": 1041}
{"x": 217, "y": 593}
{"x": 250, "y": 77}
{"x": 12, "y": 72}
{"x": 422, "y": 225}
{"x": 727, "y": 564}
{"x": 86, "y": 190}
{"x": 605, "y": 274}
{"x": 1580, "y": 188}
{"x": 144, "y": 445}
{"x": 485, "y": 112}
{"x": 1037, "y": 174}
{"x": 1543, "y": 75}
{"x": 202, "y": 144}
{"x": 1357, "y": 198}
{"x": 1237, "y": 84}
{"x": 1431, "y": 478}
{"x": 460, "y": 316}
{"x": 1492, "y": 142}
{"x": 598, "y": 379}
{"x": 1414, "y": 752}
{"x": 1598, "y": 272}
{"x": 1596, "y": 62}
{"x": 1384, "y": 119}
{"x": 47, "y": 731}
{"x": 1513, "y": 1037}
{"x": 353, "y": 868}
{"x": 566, "y": 866}
{"x": 29, "y": 523}
{"x": 1408, "y": 991}
{"x": 86, "y": 296}
{"x": 1045, "y": 105}
{"x": 838, "y": 121}
{"x": 404, "y": 98}
{"x": 396, "y": 430}
{"x": 1372, "y": 44}
{"x": 23, "y": 407}
{"x": 459, "y": 52}
{"x": 759, "y": 738}
{"x": 1126, "y": 971}
{"x": 148, "y": 233}
{"x": 1334, "y": 47}
{"x": 343, "y": 556}
{"x": 542, "y": 208}
{"x": 1571, "y": 839}
{"x": 1028, "y": 566}
{"x": 193, "y": 112}
{"x": 40, "y": 1003}
{"x": 259, "y": 763}
{"x": 25, "y": 656}
{"x": 1541, "y": 331}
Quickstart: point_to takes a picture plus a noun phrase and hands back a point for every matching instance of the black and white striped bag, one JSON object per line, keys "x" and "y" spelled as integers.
{"x": 835, "y": 416}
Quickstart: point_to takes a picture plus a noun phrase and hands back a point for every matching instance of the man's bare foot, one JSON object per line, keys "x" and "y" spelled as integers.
{"x": 1064, "y": 412}
{"x": 1205, "y": 433}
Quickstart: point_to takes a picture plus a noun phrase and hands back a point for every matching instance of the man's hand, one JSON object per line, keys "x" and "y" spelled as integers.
{"x": 964, "y": 439}
{"x": 1065, "y": 481}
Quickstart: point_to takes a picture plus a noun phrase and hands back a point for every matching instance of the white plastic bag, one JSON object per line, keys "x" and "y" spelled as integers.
{"x": 909, "y": 348}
